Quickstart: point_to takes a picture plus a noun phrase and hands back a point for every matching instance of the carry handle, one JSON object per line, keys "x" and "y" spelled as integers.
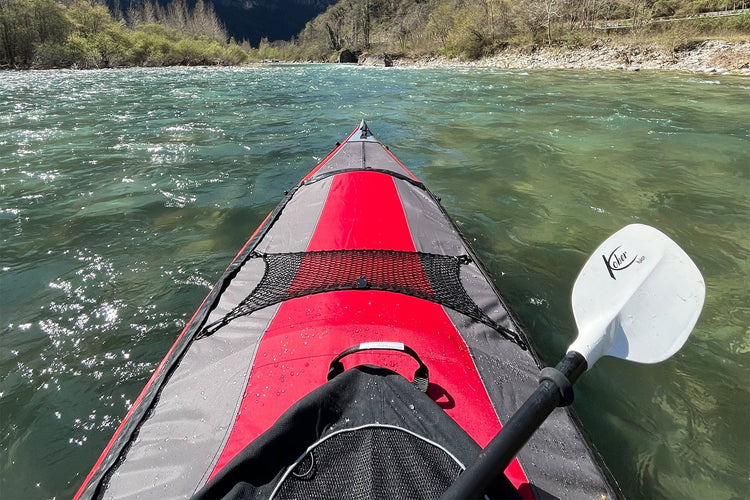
{"x": 421, "y": 376}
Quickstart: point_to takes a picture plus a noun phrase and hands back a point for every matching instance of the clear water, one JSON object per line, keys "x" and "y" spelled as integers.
{"x": 124, "y": 194}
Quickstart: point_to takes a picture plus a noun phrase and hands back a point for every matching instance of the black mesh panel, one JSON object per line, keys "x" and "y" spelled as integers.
{"x": 371, "y": 462}
{"x": 427, "y": 276}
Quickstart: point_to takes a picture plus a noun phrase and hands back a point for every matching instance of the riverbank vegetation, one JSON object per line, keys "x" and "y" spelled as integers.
{"x": 470, "y": 29}
{"x": 82, "y": 34}
{"x": 87, "y": 34}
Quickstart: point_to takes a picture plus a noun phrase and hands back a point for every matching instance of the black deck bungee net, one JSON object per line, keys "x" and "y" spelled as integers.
{"x": 423, "y": 275}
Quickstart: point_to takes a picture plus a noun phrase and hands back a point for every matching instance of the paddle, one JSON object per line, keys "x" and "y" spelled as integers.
{"x": 637, "y": 298}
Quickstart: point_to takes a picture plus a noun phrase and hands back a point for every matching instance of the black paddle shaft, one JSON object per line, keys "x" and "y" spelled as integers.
{"x": 554, "y": 390}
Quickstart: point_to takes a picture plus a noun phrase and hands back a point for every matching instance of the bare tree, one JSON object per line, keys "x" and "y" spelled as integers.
{"x": 203, "y": 21}
{"x": 550, "y": 12}
{"x": 177, "y": 16}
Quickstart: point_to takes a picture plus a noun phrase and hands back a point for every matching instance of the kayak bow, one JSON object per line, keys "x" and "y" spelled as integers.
{"x": 355, "y": 346}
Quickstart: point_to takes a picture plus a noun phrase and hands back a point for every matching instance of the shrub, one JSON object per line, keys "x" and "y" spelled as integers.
{"x": 663, "y": 8}
{"x": 234, "y": 54}
{"x": 114, "y": 45}
{"x": 84, "y": 52}
{"x": 151, "y": 47}
{"x": 188, "y": 52}
{"x": 740, "y": 23}
{"x": 53, "y": 55}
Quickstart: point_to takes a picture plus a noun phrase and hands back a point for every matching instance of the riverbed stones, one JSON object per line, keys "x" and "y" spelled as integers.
{"x": 711, "y": 56}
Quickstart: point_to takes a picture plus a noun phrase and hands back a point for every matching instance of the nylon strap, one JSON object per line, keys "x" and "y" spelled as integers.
{"x": 561, "y": 381}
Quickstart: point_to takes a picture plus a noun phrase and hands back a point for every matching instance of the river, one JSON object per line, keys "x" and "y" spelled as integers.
{"x": 125, "y": 193}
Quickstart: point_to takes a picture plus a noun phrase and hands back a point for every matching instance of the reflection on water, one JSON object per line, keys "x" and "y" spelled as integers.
{"x": 124, "y": 194}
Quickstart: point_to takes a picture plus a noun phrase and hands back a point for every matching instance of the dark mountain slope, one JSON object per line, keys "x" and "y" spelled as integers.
{"x": 272, "y": 19}
{"x": 253, "y": 19}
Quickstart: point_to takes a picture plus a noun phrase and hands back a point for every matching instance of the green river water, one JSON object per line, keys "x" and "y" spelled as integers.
{"x": 124, "y": 195}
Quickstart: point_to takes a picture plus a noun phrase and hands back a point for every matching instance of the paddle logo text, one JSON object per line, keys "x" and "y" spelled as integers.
{"x": 619, "y": 260}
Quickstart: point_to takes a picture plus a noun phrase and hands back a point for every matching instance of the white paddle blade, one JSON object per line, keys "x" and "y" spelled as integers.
{"x": 637, "y": 298}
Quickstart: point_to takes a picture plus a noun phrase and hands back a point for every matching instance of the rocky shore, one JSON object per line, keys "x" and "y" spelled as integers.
{"x": 706, "y": 57}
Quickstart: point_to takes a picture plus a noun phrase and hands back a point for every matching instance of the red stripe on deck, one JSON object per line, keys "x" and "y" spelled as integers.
{"x": 363, "y": 211}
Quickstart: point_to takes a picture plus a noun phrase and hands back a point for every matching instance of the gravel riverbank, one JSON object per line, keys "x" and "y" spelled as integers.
{"x": 706, "y": 57}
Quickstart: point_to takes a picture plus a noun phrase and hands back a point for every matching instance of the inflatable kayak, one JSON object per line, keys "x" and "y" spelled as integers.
{"x": 355, "y": 348}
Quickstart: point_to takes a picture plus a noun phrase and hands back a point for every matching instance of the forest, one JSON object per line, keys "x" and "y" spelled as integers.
{"x": 82, "y": 34}
{"x": 86, "y": 34}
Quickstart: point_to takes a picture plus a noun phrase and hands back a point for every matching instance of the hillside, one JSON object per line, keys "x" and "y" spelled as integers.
{"x": 472, "y": 29}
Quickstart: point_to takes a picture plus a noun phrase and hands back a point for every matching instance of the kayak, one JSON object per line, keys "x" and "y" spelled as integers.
{"x": 355, "y": 347}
